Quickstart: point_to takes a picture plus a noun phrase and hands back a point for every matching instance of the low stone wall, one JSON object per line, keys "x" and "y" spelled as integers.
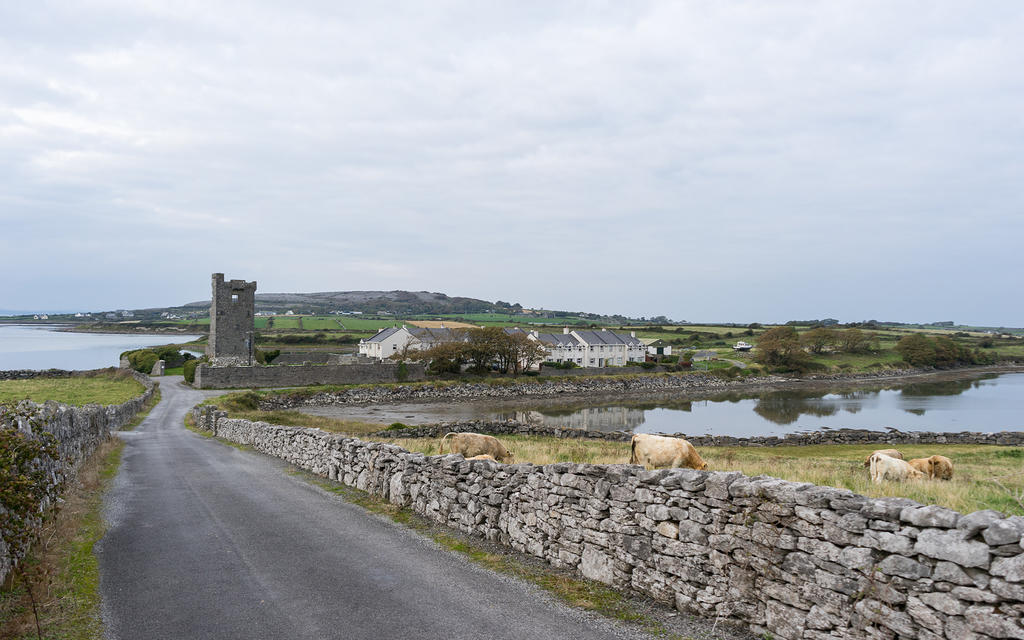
{"x": 601, "y": 371}
{"x": 531, "y": 387}
{"x": 793, "y": 560}
{"x": 832, "y": 436}
{"x": 29, "y": 374}
{"x": 78, "y": 431}
{"x": 302, "y": 357}
{"x": 208, "y": 377}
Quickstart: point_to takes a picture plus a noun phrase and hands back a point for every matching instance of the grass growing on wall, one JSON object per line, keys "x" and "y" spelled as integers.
{"x": 974, "y": 485}
{"x": 62, "y": 566}
{"x": 109, "y": 387}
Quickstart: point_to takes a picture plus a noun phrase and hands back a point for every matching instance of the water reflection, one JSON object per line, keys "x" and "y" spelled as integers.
{"x": 987, "y": 403}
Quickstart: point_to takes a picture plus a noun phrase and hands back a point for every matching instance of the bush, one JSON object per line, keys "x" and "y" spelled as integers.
{"x": 244, "y": 401}
{"x": 266, "y": 357}
{"x": 189, "y": 368}
{"x": 567, "y": 364}
{"x": 25, "y": 482}
{"x": 648, "y": 365}
{"x": 142, "y": 360}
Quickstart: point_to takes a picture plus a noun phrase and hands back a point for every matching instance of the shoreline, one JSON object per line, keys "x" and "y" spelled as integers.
{"x": 400, "y": 394}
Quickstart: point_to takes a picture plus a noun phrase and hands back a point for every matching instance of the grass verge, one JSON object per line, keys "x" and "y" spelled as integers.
{"x": 61, "y": 566}
{"x": 146, "y": 408}
{"x": 113, "y": 386}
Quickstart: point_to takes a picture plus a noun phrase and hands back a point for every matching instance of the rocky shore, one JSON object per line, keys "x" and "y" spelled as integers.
{"x": 682, "y": 386}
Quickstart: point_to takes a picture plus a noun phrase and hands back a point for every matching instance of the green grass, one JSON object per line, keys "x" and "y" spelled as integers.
{"x": 110, "y": 387}
{"x": 63, "y": 568}
{"x": 174, "y": 371}
{"x": 286, "y": 322}
{"x": 261, "y": 322}
{"x": 322, "y": 323}
{"x": 359, "y": 323}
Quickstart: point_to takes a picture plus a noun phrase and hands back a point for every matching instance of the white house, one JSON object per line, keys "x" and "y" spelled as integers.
{"x": 591, "y": 348}
{"x": 584, "y": 348}
{"x": 392, "y": 340}
{"x": 658, "y": 347}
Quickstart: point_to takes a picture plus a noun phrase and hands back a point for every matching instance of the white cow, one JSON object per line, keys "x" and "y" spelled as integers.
{"x": 885, "y": 467}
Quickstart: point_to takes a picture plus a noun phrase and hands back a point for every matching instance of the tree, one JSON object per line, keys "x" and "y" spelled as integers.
{"x": 780, "y": 349}
{"x": 856, "y": 341}
{"x": 916, "y": 350}
{"x": 482, "y": 346}
{"x": 446, "y": 357}
{"x": 518, "y": 353}
{"x": 818, "y": 339}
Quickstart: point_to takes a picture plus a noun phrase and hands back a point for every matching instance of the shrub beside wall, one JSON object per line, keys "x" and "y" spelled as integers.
{"x": 793, "y": 560}
{"x": 77, "y": 432}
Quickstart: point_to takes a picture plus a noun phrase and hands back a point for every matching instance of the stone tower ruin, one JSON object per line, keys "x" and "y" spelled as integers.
{"x": 232, "y": 321}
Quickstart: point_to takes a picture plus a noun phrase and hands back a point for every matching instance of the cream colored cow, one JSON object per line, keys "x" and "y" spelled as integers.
{"x": 885, "y": 467}
{"x": 475, "y": 444}
{"x": 660, "y": 452}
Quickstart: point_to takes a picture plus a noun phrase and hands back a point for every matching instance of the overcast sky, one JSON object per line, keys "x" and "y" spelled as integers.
{"x": 708, "y": 161}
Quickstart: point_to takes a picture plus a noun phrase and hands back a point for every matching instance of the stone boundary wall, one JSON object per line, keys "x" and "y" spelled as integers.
{"x": 460, "y": 391}
{"x": 208, "y": 377}
{"x": 793, "y": 560}
{"x": 79, "y": 431}
{"x": 601, "y": 371}
{"x": 832, "y": 436}
{"x": 29, "y": 374}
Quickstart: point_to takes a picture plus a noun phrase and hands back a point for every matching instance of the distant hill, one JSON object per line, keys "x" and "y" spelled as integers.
{"x": 394, "y": 302}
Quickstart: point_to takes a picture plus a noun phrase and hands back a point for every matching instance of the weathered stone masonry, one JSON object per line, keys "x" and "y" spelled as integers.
{"x": 259, "y": 376}
{"x": 791, "y": 559}
{"x": 79, "y": 431}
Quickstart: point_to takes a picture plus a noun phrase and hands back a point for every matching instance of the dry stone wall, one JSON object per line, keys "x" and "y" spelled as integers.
{"x": 697, "y": 383}
{"x": 832, "y": 436}
{"x": 78, "y": 431}
{"x": 793, "y": 560}
{"x": 208, "y": 377}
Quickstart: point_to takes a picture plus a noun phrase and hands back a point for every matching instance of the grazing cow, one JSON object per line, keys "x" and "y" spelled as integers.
{"x": 885, "y": 467}
{"x": 482, "y": 456}
{"x": 892, "y": 453}
{"x": 475, "y": 444}
{"x": 939, "y": 467}
{"x": 659, "y": 452}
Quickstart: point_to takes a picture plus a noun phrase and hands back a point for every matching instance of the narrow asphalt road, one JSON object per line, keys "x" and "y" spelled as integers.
{"x": 207, "y": 541}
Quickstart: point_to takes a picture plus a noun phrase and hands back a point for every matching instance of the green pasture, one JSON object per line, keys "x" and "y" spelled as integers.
{"x": 113, "y": 387}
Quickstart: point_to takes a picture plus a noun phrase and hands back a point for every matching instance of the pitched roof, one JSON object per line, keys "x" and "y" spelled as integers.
{"x": 383, "y": 334}
{"x": 607, "y": 337}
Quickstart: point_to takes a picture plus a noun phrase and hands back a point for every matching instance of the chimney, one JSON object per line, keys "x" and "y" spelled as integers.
{"x": 565, "y": 330}
{"x": 632, "y": 334}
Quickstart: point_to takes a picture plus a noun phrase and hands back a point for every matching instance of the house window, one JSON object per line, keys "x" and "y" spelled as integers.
{"x": 591, "y": 361}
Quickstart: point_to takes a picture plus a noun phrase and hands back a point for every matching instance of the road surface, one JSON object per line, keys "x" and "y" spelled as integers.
{"x": 207, "y": 541}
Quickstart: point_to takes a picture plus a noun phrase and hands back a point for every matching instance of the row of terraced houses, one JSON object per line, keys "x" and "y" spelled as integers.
{"x": 601, "y": 348}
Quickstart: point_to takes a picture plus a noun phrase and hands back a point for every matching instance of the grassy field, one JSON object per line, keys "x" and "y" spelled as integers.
{"x": 973, "y": 486}
{"x": 286, "y": 322}
{"x": 321, "y": 323}
{"x": 112, "y": 387}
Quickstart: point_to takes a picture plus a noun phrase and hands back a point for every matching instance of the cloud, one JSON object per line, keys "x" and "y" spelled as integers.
{"x": 740, "y": 161}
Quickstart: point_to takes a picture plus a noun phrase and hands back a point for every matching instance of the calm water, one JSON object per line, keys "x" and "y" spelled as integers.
{"x": 983, "y": 403}
{"x": 39, "y": 347}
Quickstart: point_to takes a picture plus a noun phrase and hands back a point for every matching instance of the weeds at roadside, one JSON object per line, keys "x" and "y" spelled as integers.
{"x": 63, "y": 569}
